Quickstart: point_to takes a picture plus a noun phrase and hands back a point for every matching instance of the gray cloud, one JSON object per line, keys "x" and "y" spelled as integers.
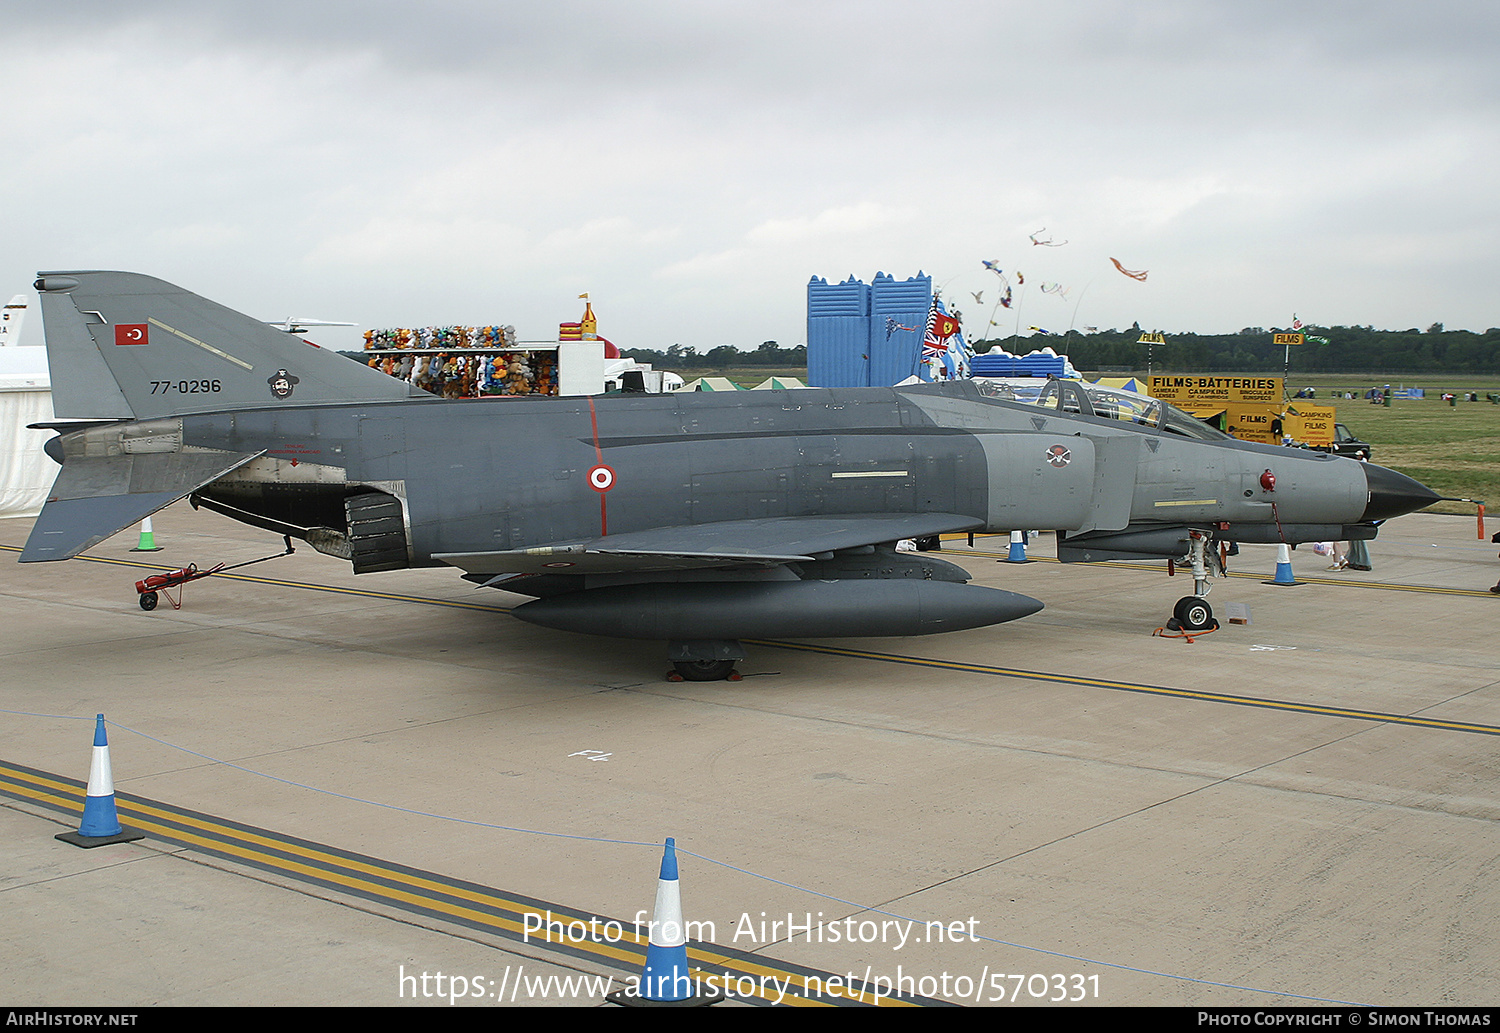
{"x": 691, "y": 164}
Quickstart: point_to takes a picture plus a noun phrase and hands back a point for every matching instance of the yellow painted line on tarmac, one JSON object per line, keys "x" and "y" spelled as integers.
{"x": 1156, "y": 568}
{"x": 280, "y": 583}
{"x": 485, "y": 608}
{"x": 987, "y": 669}
{"x": 430, "y": 894}
{"x": 142, "y": 812}
{"x": 1290, "y": 706}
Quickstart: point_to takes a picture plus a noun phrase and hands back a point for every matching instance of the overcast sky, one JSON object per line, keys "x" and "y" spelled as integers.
{"x": 691, "y": 165}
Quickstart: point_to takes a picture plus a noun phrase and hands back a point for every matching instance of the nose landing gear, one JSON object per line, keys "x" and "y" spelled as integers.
{"x": 1192, "y": 612}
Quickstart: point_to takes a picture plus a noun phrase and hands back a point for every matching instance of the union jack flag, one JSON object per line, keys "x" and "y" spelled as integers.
{"x": 940, "y": 327}
{"x": 943, "y": 344}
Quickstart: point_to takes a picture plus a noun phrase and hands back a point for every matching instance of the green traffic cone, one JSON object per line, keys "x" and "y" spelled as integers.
{"x": 148, "y": 540}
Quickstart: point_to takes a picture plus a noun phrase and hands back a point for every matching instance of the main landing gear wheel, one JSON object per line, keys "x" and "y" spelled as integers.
{"x": 1194, "y": 614}
{"x": 148, "y": 601}
{"x": 704, "y": 670}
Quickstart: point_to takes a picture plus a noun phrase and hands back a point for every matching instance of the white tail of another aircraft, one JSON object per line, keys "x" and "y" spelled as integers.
{"x": 10, "y": 321}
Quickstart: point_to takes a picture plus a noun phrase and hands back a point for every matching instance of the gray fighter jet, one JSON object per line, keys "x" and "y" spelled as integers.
{"x": 699, "y": 519}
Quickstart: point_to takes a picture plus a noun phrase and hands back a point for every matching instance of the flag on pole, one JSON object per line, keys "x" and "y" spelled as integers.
{"x": 943, "y": 344}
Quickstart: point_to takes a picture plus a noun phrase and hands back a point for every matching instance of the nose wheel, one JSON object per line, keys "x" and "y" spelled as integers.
{"x": 1192, "y": 613}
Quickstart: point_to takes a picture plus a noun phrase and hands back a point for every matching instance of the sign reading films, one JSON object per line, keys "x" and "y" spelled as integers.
{"x": 1189, "y": 392}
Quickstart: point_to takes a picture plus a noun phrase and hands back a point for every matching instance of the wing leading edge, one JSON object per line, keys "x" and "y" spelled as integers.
{"x": 732, "y": 543}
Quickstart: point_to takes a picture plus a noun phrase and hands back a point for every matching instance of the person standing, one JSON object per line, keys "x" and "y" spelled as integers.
{"x": 1358, "y": 557}
{"x": 1495, "y": 539}
{"x": 1337, "y": 552}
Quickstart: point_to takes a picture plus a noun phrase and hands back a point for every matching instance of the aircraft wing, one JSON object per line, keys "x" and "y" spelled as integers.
{"x": 732, "y": 543}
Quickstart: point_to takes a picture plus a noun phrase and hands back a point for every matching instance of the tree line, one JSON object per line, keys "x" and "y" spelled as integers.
{"x": 725, "y": 356}
{"x": 1349, "y": 349}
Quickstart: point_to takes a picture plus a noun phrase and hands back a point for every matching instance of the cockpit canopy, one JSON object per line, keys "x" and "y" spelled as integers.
{"x": 1080, "y": 398}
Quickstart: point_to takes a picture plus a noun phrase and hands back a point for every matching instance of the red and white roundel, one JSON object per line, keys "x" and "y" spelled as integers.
{"x": 602, "y": 478}
{"x": 1059, "y": 456}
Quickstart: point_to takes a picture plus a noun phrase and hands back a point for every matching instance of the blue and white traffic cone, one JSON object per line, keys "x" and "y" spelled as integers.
{"x": 667, "y": 981}
{"x": 100, "y": 824}
{"x": 147, "y": 542}
{"x": 1017, "y": 548}
{"x": 1283, "y": 567}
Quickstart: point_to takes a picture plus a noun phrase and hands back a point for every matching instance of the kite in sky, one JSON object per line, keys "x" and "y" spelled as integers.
{"x": 891, "y": 326}
{"x": 994, "y": 267}
{"x": 1049, "y": 242}
{"x": 1133, "y": 274}
{"x": 1055, "y": 288}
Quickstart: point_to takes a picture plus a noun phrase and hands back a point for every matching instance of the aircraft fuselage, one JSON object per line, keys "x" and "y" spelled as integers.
{"x": 520, "y": 473}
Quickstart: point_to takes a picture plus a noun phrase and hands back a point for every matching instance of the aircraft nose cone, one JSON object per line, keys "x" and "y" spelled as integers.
{"x": 1393, "y": 494}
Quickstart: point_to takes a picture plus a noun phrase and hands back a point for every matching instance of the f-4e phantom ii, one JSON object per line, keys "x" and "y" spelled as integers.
{"x": 700, "y": 519}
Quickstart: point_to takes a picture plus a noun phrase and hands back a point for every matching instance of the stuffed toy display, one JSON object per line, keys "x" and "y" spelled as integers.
{"x": 463, "y": 361}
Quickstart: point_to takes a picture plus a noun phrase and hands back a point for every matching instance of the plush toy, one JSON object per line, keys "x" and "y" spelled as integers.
{"x": 519, "y": 375}
{"x": 494, "y": 374}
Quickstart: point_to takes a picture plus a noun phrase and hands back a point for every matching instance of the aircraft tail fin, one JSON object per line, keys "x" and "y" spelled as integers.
{"x": 10, "y": 320}
{"x": 127, "y": 346}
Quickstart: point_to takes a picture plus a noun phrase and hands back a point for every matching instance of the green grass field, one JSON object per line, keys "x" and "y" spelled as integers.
{"x": 1454, "y": 450}
{"x": 749, "y": 376}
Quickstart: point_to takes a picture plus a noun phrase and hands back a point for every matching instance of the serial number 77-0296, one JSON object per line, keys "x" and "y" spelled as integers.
{"x": 186, "y": 387}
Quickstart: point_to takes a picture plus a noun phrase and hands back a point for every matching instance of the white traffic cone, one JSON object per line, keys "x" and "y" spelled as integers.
{"x": 667, "y": 980}
{"x": 100, "y": 823}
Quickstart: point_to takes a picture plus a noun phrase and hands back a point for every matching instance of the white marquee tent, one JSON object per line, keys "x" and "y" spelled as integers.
{"x": 26, "y": 472}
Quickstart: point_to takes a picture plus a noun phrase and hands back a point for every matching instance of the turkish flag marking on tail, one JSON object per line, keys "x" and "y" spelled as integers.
{"x": 130, "y": 333}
